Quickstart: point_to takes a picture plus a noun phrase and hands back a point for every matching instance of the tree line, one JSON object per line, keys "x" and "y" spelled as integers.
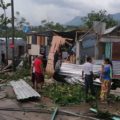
{"x": 20, "y": 22}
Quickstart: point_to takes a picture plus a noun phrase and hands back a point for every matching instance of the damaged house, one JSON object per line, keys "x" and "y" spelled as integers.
{"x": 20, "y": 47}
{"x": 101, "y": 46}
{"x": 106, "y": 45}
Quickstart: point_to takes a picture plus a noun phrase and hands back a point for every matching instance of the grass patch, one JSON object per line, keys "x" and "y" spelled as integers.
{"x": 64, "y": 94}
{"x": 18, "y": 74}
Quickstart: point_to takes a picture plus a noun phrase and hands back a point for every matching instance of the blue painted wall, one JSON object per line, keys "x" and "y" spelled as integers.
{"x": 88, "y": 45}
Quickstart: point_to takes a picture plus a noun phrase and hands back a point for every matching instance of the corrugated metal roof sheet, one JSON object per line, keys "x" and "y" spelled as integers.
{"x": 23, "y": 90}
{"x": 76, "y": 69}
{"x": 116, "y": 67}
{"x": 73, "y": 73}
{"x": 107, "y": 31}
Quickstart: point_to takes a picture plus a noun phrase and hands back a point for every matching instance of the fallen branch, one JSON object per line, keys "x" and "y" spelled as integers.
{"x": 6, "y": 67}
{"x": 54, "y": 114}
{"x": 61, "y": 112}
{"x": 78, "y": 115}
{"x": 4, "y": 71}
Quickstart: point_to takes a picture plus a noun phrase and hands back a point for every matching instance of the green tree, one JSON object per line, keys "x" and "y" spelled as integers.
{"x": 4, "y": 20}
{"x": 51, "y": 25}
{"x": 20, "y": 21}
{"x": 99, "y": 16}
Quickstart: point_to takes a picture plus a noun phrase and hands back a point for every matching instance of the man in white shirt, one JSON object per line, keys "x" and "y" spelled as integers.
{"x": 88, "y": 73}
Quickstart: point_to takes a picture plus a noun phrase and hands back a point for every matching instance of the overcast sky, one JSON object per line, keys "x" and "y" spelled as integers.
{"x": 61, "y": 10}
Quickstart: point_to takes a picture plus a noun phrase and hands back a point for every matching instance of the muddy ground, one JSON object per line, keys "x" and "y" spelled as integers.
{"x": 8, "y": 100}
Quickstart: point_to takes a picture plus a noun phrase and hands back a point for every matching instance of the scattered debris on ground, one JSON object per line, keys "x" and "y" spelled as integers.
{"x": 115, "y": 92}
{"x": 59, "y": 101}
{"x": 44, "y": 108}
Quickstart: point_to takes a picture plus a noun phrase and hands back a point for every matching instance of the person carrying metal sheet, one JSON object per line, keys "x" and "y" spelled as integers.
{"x": 87, "y": 73}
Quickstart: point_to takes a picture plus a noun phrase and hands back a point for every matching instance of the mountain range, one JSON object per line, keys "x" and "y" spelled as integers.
{"x": 77, "y": 21}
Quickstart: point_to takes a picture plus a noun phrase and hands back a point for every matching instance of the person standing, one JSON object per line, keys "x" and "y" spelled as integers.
{"x": 39, "y": 72}
{"x": 88, "y": 74}
{"x": 111, "y": 75}
{"x": 33, "y": 72}
{"x": 56, "y": 57}
{"x": 105, "y": 85}
{"x": 2, "y": 58}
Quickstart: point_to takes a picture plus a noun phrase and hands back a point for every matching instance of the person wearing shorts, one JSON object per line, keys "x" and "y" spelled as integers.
{"x": 39, "y": 72}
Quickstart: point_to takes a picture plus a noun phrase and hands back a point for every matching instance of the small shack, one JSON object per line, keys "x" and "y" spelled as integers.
{"x": 106, "y": 45}
{"x": 111, "y": 43}
{"x": 20, "y": 47}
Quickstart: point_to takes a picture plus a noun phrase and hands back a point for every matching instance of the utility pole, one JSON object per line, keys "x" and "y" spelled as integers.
{"x": 77, "y": 49}
{"x": 6, "y": 38}
{"x": 4, "y": 9}
{"x": 96, "y": 47}
{"x": 13, "y": 34}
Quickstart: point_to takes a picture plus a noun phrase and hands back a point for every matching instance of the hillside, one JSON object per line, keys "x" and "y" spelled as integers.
{"x": 77, "y": 21}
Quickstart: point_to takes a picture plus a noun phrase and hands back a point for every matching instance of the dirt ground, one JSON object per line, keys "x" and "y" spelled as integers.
{"x": 8, "y": 100}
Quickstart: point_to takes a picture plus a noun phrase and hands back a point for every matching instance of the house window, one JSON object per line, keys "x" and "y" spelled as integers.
{"x": 42, "y": 49}
{"x": 29, "y": 46}
{"x": 34, "y": 39}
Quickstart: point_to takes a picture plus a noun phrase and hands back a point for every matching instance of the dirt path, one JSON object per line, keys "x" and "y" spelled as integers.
{"x": 8, "y": 99}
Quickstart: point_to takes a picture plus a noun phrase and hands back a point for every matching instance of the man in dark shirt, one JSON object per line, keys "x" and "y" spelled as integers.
{"x": 2, "y": 58}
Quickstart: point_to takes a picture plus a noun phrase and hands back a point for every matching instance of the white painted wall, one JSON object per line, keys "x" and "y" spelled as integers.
{"x": 35, "y": 50}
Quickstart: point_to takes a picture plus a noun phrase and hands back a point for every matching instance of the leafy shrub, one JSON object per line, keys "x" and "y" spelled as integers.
{"x": 64, "y": 94}
{"x": 18, "y": 74}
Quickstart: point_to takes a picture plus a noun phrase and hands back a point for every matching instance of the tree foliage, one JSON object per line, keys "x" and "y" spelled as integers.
{"x": 5, "y": 28}
{"x": 46, "y": 25}
{"x": 20, "y": 21}
{"x": 50, "y": 25}
{"x": 4, "y": 20}
{"x": 99, "y": 16}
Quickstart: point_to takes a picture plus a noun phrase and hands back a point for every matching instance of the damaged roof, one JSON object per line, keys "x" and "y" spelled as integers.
{"x": 67, "y": 34}
{"x": 109, "y": 30}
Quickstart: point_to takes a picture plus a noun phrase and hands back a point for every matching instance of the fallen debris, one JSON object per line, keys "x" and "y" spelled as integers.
{"x": 2, "y": 95}
{"x": 8, "y": 66}
{"x": 72, "y": 74}
{"x": 24, "y": 91}
{"x": 105, "y": 115}
{"x": 49, "y": 111}
{"x": 4, "y": 71}
{"x": 54, "y": 114}
{"x": 116, "y": 92}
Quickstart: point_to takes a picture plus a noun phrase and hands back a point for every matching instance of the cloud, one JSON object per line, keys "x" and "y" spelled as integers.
{"x": 61, "y": 10}
{"x": 115, "y": 7}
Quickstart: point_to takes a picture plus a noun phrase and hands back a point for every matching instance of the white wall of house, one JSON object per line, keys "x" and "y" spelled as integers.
{"x": 18, "y": 42}
{"x": 35, "y": 50}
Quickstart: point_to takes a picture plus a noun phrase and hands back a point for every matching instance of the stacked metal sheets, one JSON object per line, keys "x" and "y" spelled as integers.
{"x": 73, "y": 73}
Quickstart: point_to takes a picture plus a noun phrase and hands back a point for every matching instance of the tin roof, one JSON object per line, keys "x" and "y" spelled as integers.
{"x": 23, "y": 91}
{"x": 109, "y": 30}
